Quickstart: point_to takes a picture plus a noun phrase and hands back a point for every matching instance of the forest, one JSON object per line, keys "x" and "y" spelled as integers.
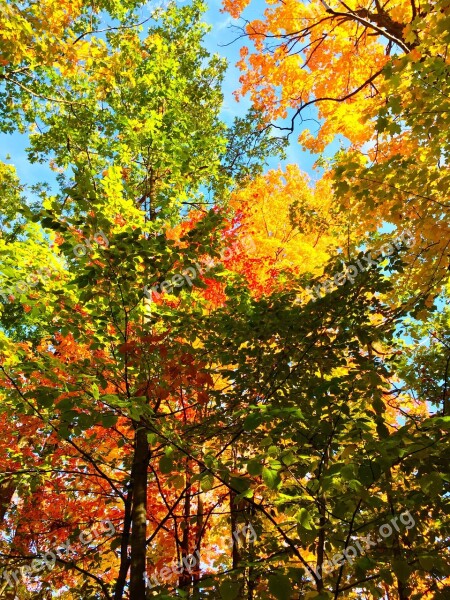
{"x": 224, "y": 374}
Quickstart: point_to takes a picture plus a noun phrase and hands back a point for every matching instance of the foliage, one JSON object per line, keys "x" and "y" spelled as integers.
{"x": 230, "y": 400}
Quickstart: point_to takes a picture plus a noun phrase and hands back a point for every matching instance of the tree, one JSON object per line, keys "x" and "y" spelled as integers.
{"x": 387, "y": 98}
{"x": 188, "y": 420}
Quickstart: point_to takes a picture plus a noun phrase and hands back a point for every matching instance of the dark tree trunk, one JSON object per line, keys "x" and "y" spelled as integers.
{"x": 124, "y": 559}
{"x": 186, "y": 574}
{"x": 236, "y": 510}
{"x": 139, "y": 515}
{"x": 198, "y": 538}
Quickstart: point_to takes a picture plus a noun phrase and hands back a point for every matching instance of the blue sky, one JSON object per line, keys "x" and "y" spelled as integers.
{"x": 217, "y": 41}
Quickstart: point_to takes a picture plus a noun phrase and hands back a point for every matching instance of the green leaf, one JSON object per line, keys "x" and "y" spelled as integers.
{"x": 254, "y": 467}
{"x": 151, "y": 438}
{"x": 369, "y": 472}
{"x": 348, "y": 472}
{"x": 165, "y": 465}
{"x": 304, "y": 518}
{"x": 109, "y": 420}
{"x": 271, "y": 478}
{"x": 252, "y": 421}
{"x": 66, "y": 404}
{"x": 45, "y": 401}
{"x": 207, "y": 482}
{"x": 427, "y": 562}
{"x": 280, "y": 586}
{"x": 229, "y": 590}
{"x": 382, "y": 430}
{"x": 364, "y": 563}
{"x": 401, "y": 568}
{"x": 288, "y": 459}
{"x": 431, "y": 484}
{"x": 240, "y": 484}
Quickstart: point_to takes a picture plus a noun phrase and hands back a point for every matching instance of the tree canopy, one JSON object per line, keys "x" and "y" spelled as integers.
{"x": 219, "y": 378}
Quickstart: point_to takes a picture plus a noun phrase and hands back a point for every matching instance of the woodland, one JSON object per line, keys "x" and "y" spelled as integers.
{"x": 222, "y": 377}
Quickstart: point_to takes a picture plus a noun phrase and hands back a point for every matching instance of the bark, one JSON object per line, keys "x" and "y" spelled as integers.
{"x": 198, "y": 544}
{"x": 235, "y": 510}
{"x": 321, "y": 544}
{"x": 322, "y": 512}
{"x": 124, "y": 559}
{"x": 384, "y": 20}
{"x": 402, "y": 588}
{"x": 198, "y": 537}
{"x": 251, "y": 583}
{"x": 139, "y": 514}
{"x": 186, "y": 576}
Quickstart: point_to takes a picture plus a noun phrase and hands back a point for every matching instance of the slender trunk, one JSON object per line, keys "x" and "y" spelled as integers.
{"x": 237, "y": 538}
{"x": 402, "y": 587}
{"x": 124, "y": 559}
{"x": 139, "y": 515}
{"x": 198, "y": 544}
{"x": 321, "y": 545}
{"x": 251, "y": 585}
{"x": 198, "y": 537}
{"x": 186, "y": 576}
{"x": 445, "y": 394}
{"x": 236, "y": 555}
{"x": 322, "y": 521}
{"x": 151, "y": 194}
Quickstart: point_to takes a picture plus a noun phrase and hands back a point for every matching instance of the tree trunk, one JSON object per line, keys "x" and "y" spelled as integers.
{"x": 237, "y": 510}
{"x": 198, "y": 545}
{"x": 251, "y": 582}
{"x": 139, "y": 514}
{"x": 124, "y": 560}
{"x": 186, "y": 575}
{"x": 234, "y": 511}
